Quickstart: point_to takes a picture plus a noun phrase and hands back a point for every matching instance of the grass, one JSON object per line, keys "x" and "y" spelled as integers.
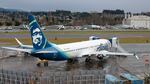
{"x": 135, "y": 40}
{"x": 86, "y": 32}
{"x": 28, "y": 41}
{"x": 9, "y": 41}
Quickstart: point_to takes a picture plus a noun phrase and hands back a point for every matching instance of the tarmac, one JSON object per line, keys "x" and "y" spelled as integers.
{"x": 114, "y": 65}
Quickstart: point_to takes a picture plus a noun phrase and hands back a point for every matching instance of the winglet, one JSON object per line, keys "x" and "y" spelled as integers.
{"x": 18, "y": 42}
{"x": 136, "y": 56}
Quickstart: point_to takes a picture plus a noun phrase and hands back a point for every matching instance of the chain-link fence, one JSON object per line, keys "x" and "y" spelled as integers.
{"x": 77, "y": 77}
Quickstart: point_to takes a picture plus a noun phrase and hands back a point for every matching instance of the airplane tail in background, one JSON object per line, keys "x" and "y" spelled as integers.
{"x": 38, "y": 39}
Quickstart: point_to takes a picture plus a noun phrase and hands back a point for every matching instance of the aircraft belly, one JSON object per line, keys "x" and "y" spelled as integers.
{"x": 52, "y": 56}
{"x": 72, "y": 54}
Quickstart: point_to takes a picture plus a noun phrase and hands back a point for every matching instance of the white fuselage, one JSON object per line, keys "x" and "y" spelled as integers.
{"x": 77, "y": 49}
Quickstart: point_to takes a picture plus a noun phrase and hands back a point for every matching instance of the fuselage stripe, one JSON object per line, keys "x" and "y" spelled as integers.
{"x": 32, "y": 22}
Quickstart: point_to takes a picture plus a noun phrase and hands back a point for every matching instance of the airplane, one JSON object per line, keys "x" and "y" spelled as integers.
{"x": 61, "y": 27}
{"x": 44, "y": 50}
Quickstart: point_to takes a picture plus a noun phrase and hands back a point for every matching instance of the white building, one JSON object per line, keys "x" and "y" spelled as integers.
{"x": 137, "y": 21}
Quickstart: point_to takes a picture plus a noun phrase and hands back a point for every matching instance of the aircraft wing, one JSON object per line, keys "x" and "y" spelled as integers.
{"x": 105, "y": 53}
{"x": 117, "y": 54}
{"x": 18, "y": 49}
{"x": 22, "y": 45}
{"x": 114, "y": 53}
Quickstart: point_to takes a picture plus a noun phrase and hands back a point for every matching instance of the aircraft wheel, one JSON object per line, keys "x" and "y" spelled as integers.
{"x": 75, "y": 60}
{"x": 38, "y": 64}
{"x": 70, "y": 60}
{"x": 87, "y": 59}
{"x": 26, "y": 54}
{"x": 45, "y": 64}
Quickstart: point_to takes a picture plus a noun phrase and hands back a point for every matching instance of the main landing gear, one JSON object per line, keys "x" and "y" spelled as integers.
{"x": 92, "y": 59}
{"x": 45, "y": 62}
{"x": 73, "y": 60}
{"x": 88, "y": 59}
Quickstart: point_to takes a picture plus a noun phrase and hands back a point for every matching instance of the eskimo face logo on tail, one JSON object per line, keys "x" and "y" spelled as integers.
{"x": 37, "y": 37}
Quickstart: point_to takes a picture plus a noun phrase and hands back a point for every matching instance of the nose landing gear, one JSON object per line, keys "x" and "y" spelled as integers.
{"x": 45, "y": 62}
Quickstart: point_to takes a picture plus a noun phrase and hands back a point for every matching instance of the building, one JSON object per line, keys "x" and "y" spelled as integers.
{"x": 136, "y": 21}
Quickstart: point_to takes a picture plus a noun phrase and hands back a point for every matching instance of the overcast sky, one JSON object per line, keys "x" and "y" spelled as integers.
{"x": 77, "y": 5}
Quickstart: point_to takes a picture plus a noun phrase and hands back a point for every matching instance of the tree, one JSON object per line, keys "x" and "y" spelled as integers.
{"x": 1, "y": 23}
{"x": 17, "y": 23}
{"x": 8, "y": 23}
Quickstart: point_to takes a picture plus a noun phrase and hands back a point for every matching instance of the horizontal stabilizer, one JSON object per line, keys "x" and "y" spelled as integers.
{"x": 18, "y": 49}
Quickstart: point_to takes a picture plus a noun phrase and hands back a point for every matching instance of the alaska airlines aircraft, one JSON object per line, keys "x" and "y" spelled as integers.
{"x": 45, "y": 50}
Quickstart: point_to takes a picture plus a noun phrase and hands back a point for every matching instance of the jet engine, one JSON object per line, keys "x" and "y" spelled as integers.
{"x": 100, "y": 56}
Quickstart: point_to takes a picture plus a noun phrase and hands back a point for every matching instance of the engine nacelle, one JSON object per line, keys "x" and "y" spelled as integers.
{"x": 93, "y": 38}
{"x": 100, "y": 56}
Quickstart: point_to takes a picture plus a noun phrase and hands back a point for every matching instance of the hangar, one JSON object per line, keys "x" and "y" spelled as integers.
{"x": 137, "y": 21}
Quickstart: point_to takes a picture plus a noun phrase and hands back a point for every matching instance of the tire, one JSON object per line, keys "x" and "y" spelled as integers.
{"x": 70, "y": 60}
{"x": 87, "y": 60}
{"x": 46, "y": 64}
{"x": 38, "y": 64}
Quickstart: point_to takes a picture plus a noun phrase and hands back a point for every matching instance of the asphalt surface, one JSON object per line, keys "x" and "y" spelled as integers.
{"x": 65, "y": 35}
{"x": 111, "y": 65}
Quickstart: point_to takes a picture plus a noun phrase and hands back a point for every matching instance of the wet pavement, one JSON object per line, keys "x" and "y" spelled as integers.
{"x": 114, "y": 65}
